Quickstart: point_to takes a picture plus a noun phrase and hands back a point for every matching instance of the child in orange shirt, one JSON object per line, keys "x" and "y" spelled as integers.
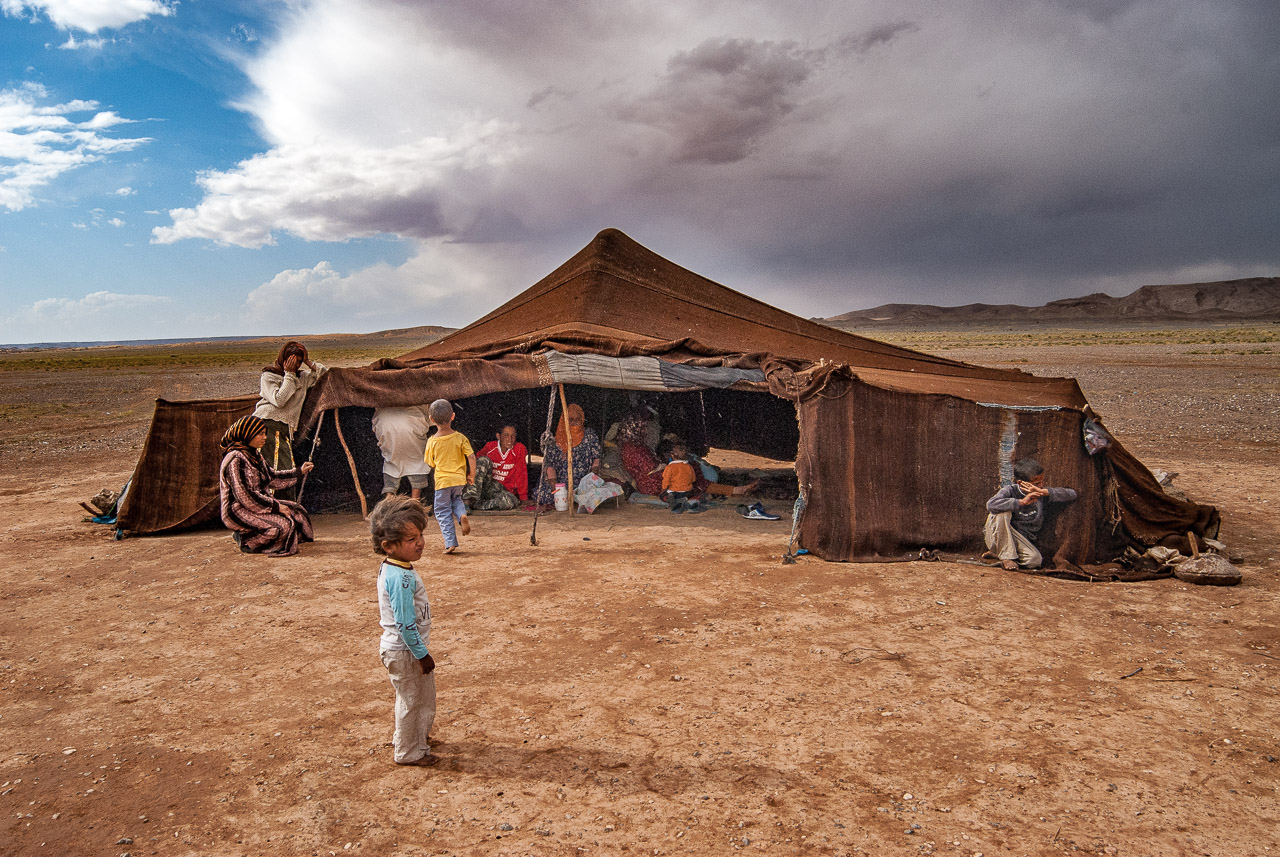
{"x": 677, "y": 481}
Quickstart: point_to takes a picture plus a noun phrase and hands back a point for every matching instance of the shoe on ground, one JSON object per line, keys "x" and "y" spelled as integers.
{"x": 756, "y": 512}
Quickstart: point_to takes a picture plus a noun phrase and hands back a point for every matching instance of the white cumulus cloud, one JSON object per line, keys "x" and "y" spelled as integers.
{"x": 444, "y": 284}
{"x": 330, "y": 192}
{"x": 988, "y": 147}
{"x": 85, "y": 319}
{"x": 39, "y": 143}
{"x": 89, "y": 15}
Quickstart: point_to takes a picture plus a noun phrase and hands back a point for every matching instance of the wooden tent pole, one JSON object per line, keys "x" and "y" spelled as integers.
{"x": 568, "y": 436}
{"x": 355, "y": 474}
{"x": 547, "y": 437}
{"x": 315, "y": 444}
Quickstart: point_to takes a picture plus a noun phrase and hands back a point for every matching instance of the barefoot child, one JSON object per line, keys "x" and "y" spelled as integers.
{"x": 405, "y": 615}
{"x": 450, "y": 454}
{"x": 1015, "y": 516}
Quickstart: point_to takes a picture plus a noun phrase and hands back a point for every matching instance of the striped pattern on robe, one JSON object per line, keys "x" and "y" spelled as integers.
{"x": 267, "y": 525}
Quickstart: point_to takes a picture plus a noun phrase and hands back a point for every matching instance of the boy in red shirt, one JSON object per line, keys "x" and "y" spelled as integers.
{"x": 509, "y": 459}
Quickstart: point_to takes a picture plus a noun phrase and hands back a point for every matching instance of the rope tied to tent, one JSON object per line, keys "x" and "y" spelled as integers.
{"x": 797, "y": 510}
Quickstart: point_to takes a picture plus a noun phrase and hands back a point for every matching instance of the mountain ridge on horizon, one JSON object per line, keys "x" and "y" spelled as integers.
{"x": 1224, "y": 300}
{"x": 1250, "y": 298}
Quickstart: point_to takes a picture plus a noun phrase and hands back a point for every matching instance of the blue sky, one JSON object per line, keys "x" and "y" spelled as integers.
{"x": 199, "y": 168}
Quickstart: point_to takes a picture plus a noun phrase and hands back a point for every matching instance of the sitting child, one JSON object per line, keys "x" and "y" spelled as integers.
{"x": 1016, "y": 514}
{"x": 678, "y": 479}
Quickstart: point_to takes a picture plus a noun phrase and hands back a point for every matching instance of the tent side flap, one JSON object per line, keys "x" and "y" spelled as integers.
{"x": 888, "y": 473}
{"x": 175, "y": 483}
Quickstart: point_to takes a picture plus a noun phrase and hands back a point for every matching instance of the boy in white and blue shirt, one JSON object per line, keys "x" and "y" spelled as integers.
{"x": 396, "y": 526}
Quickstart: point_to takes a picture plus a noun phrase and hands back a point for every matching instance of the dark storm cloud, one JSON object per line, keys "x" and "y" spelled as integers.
{"x": 881, "y": 35}
{"x": 719, "y": 98}
{"x": 825, "y": 155}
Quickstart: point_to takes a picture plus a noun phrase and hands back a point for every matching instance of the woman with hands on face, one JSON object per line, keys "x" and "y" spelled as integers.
{"x": 283, "y": 390}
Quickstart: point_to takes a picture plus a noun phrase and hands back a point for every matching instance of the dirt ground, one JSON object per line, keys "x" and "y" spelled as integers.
{"x": 638, "y": 683}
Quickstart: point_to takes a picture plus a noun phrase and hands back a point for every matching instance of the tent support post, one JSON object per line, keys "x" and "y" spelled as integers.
{"x": 351, "y": 462}
{"x": 564, "y": 408}
{"x": 547, "y": 437}
{"x": 315, "y": 444}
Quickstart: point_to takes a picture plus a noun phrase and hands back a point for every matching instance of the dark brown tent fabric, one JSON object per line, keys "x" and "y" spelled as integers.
{"x": 394, "y": 384}
{"x": 175, "y": 483}
{"x": 618, "y": 298}
{"x": 916, "y": 472}
{"x": 618, "y": 292}
{"x": 898, "y": 450}
{"x": 1155, "y": 518}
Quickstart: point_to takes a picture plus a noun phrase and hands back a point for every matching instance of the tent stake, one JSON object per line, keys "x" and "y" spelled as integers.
{"x": 568, "y": 437}
{"x": 355, "y": 474}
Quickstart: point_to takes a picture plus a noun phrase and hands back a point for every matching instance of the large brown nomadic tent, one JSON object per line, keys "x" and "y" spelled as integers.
{"x": 895, "y": 451}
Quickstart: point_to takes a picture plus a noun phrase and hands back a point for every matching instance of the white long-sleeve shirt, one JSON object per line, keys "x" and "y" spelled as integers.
{"x": 403, "y": 610}
{"x": 284, "y": 395}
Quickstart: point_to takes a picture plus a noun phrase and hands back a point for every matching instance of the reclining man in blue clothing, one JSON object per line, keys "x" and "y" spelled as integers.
{"x": 1016, "y": 515}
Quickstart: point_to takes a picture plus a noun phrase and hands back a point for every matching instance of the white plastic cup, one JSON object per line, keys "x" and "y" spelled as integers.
{"x": 561, "y": 496}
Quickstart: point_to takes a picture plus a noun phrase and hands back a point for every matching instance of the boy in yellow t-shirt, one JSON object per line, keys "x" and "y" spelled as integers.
{"x": 450, "y": 455}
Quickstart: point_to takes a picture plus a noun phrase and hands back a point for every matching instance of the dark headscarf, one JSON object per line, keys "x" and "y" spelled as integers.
{"x": 240, "y": 433}
{"x": 290, "y": 347}
{"x": 634, "y": 426}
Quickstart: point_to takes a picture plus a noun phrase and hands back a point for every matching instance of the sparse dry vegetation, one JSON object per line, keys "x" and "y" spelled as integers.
{"x": 639, "y": 682}
{"x": 1232, "y": 338}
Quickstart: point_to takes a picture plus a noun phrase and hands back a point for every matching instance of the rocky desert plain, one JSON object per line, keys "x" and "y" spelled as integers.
{"x": 638, "y": 683}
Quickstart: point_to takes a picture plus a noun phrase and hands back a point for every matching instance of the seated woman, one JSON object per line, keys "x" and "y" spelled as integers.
{"x": 637, "y": 436}
{"x": 589, "y": 490}
{"x": 645, "y": 464}
{"x": 262, "y": 523}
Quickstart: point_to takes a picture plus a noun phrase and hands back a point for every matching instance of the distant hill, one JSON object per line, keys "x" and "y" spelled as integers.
{"x": 1256, "y": 298}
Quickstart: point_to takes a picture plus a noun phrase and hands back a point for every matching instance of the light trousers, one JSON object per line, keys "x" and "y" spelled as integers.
{"x": 1007, "y": 543}
{"x": 415, "y": 704}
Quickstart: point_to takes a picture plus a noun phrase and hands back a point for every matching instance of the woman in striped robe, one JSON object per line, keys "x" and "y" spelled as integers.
{"x": 262, "y": 523}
